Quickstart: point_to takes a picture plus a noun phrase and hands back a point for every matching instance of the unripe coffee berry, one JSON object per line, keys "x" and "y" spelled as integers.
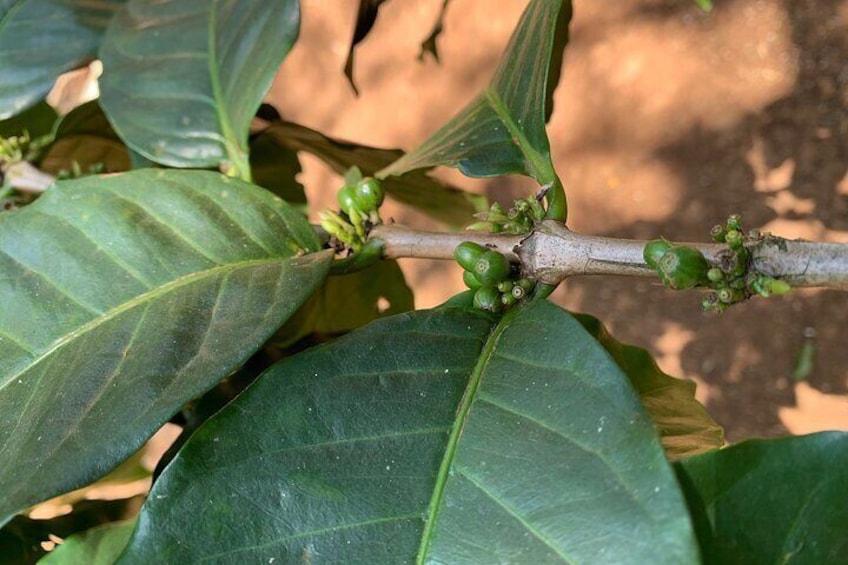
{"x": 683, "y": 267}
{"x": 368, "y": 194}
{"x": 467, "y": 253}
{"x": 654, "y": 250}
{"x": 487, "y": 298}
{"x": 491, "y": 268}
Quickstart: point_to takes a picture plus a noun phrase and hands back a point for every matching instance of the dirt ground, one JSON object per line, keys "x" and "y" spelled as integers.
{"x": 666, "y": 120}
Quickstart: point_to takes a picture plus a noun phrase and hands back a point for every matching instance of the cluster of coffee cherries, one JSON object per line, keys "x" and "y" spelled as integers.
{"x": 520, "y": 219}
{"x": 359, "y": 200}
{"x": 492, "y": 277}
{"x": 732, "y": 280}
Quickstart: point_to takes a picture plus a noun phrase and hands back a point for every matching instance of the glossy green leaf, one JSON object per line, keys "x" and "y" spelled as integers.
{"x": 182, "y": 79}
{"x": 683, "y": 423}
{"x": 502, "y": 131}
{"x": 771, "y": 501}
{"x": 20, "y": 539}
{"x": 98, "y": 546}
{"x": 38, "y": 120}
{"x": 561, "y": 37}
{"x": 124, "y": 297}
{"x": 85, "y": 136}
{"x": 41, "y": 39}
{"x": 348, "y": 302}
{"x": 439, "y": 434}
{"x": 449, "y": 205}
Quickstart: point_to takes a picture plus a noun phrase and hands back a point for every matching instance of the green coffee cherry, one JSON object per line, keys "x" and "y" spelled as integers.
{"x": 654, "y": 250}
{"x": 505, "y": 286}
{"x": 518, "y": 292}
{"x": 715, "y": 275}
{"x": 508, "y": 300}
{"x": 467, "y": 253}
{"x": 470, "y": 280}
{"x": 682, "y": 267}
{"x": 487, "y": 298}
{"x": 527, "y": 284}
{"x": 717, "y": 233}
{"x": 368, "y": 194}
{"x": 491, "y": 268}
{"x": 346, "y": 200}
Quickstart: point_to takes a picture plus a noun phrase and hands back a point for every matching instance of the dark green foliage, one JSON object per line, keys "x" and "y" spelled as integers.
{"x": 443, "y": 416}
{"x": 220, "y": 53}
{"x": 771, "y": 501}
{"x": 207, "y": 268}
{"x": 495, "y": 429}
{"x": 40, "y": 39}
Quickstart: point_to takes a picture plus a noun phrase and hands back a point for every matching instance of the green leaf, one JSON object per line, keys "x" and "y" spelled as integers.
{"x": 561, "y": 37}
{"x": 124, "y": 297}
{"x": 41, "y": 39}
{"x": 449, "y": 205}
{"x": 771, "y": 501}
{"x": 441, "y": 434}
{"x": 20, "y": 539}
{"x": 37, "y": 121}
{"x": 502, "y": 131}
{"x": 182, "y": 79}
{"x": 98, "y": 546}
{"x": 348, "y": 302}
{"x": 85, "y": 136}
{"x": 276, "y": 168}
{"x": 684, "y": 425}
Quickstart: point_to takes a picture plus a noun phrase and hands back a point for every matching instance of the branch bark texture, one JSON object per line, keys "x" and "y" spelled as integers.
{"x": 553, "y": 253}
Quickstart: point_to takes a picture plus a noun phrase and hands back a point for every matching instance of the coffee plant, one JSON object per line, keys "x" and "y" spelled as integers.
{"x": 156, "y": 266}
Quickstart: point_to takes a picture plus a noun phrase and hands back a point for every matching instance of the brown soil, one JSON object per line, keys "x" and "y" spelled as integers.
{"x": 666, "y": 120}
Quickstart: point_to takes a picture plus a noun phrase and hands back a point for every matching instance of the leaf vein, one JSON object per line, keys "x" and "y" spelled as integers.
{"x": 529, "y": 527}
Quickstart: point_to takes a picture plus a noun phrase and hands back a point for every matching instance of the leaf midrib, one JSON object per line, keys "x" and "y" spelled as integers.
{"x": 217, "y": 91}
{"x": 456, "y": 431}
{"x": 132, "y": 303}
{"x": 540, "y": 166}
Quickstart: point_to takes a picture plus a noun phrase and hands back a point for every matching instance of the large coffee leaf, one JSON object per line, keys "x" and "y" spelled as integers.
{"x": 123, "y": 298}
